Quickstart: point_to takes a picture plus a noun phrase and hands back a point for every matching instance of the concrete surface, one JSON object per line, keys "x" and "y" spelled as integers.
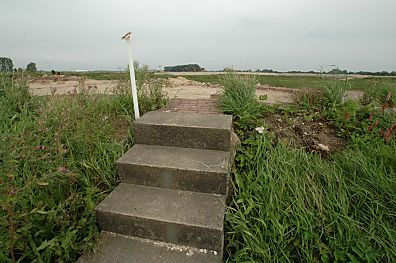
{"x": 175, "y": 168}
{"x": 179, "y": 217}
{"x": 188, "y": 105}
{"x": 115, "y": 248}
{"x": 183, "y": 129}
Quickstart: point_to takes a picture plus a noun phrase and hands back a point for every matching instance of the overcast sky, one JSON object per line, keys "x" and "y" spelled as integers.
{"x": 274, "y": 34}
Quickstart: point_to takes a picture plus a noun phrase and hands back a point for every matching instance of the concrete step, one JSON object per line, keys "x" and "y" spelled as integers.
{"x": 175, "y": 168}
{"x": 174, "y": 216}
{"x": 187, "y": 130}
{"x": 123, "y": 249}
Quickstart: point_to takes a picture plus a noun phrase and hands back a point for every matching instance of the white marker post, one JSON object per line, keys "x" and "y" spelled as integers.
{"x": 127, "y": 38}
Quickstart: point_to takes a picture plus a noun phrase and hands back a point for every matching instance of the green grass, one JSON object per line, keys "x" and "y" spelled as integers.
{"x": 99, "y": 75}
{"x": 290, "y": 205}
{"x": 57, "y": 161}
{"x": 308, "y": 81}
{"x": 238, "y": 98}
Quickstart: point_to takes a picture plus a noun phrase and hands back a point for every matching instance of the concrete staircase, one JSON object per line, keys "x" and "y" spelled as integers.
{"x": 170, "y": 204}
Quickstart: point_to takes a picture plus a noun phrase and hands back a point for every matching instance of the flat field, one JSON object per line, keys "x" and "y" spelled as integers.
{"x": 354, "y": 82}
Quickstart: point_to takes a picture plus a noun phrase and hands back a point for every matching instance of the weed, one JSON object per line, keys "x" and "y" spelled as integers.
{"x": 239, "y": 99}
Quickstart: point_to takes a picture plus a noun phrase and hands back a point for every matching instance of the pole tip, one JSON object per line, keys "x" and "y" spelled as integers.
{"x": 127, "y": 35}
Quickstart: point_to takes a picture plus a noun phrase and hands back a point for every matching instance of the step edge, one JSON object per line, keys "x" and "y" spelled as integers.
{"x": 225, "y": 171}
{"x": 221, "y": 228}
{"x": 161, "y": 243}
{"x": 220, "y": 196}
{"x": 190, "y": 126}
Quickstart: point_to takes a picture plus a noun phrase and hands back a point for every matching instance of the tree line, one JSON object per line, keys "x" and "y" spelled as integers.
{"x": 7, "y": 65}
{"x": 333, "y": 71}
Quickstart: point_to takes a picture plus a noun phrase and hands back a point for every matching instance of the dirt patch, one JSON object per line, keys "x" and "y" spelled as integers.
{"x": 176, "y": 88}
{"x": 313, "y": 135}
{"x": 70, "y": 84}
{"x": 276, "y": 95}
{"x": 182, "y": 88}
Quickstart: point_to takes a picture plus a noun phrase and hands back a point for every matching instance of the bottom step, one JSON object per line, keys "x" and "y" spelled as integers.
{"x": 118, "y": 249}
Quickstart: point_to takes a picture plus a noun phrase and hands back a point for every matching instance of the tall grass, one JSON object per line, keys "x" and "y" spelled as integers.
{"x": 292, "y": 206}
{"x": 238, "y": 98}
{"x": 57, "y": 161}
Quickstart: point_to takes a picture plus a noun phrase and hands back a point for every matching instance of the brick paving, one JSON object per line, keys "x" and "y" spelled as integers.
{"x": 195, "y": 105}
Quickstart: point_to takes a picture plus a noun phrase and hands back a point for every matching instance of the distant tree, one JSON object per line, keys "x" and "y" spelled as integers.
{"x": 188, "y": 68}
{"x": 228, "y": 69}
{"x": 31, "y": 67}
{"x": 6, "y": 64}
{"x": 338, "y": 71}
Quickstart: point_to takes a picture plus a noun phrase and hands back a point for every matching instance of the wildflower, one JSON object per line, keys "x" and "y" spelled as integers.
{"x": 384, "y": 107}
{"x": 260, "y": 129}
{"x": 382, "y": 131}
{"x": 347, "y": 115}
{"x": 40, "y": 147}
{"x": 12, "y": 192}
{"x": 388, "y": 96}
{"x": 387, "y": 134}
{"x": 63, "y": 169}
{"x": 371, "y": 116}
{"x": 376, "y": 123}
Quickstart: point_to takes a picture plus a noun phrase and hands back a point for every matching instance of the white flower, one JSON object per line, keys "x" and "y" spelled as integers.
{"x": 260, "y": 129}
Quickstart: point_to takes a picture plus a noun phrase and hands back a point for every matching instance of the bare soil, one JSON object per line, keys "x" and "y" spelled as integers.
{"x": 61, "y": 85}
{"x": 177, "y": 88}
{"x": 312, "y": 135}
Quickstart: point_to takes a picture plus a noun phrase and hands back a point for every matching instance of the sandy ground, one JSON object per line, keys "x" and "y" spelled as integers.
{"x": 177, "y": 88}
{"x": 61, "y": 86}
{"x": 182, "y": 88}
{"x": 262, "y": 74}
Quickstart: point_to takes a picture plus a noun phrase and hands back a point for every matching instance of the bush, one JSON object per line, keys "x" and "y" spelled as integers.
{"x": 151, "y": 96}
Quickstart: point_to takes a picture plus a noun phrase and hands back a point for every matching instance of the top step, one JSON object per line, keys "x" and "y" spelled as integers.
{"x": 188, "y": 130}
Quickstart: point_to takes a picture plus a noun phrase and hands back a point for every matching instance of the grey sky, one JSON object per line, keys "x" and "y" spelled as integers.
{"x": 282, "y": 34}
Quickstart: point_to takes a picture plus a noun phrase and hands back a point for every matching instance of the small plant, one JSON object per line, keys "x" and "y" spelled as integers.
{"x": 149, "y": 89}
{"x": 239, "y": 99}
{"x": 334, "y": 93}
{"x": 151, "y": 96}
